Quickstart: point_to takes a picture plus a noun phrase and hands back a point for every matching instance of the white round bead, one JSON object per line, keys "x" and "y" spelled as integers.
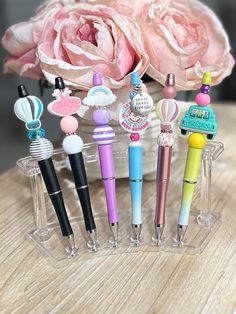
{"x": 72, "y": 144}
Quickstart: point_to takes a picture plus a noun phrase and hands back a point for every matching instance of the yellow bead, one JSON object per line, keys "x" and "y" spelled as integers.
{"x": 196, "y": 140}
{"x": 207, "y": 79}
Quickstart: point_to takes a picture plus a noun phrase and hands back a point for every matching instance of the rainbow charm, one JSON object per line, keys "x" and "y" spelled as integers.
{"x": 99, "y": 95}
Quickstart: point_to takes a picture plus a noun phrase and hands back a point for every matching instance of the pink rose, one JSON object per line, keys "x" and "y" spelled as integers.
{"x": 84, "y": 38}
{"x": 21, "y": 41}
{"x": 184, "y": 37}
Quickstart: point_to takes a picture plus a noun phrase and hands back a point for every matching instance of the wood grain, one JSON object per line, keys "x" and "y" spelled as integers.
{"x": 129, "y": 283}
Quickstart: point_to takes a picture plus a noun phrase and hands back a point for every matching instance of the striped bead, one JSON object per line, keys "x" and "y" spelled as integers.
{"x": 103, "y": 135}
{"x": 41, "y": 149}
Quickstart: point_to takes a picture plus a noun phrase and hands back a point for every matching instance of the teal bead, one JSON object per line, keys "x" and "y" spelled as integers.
{"x": 36, "y": 134}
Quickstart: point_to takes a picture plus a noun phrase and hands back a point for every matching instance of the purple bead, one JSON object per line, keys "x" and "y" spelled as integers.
{"x": 205, "y": 89}
{"x": 101, "y": 116}
{"x": 103, "y": 135}
{"x": 97, "y": 79}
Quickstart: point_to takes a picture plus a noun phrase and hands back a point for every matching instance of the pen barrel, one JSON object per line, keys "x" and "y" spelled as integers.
{"x": 108, "y": 178}
{"x": 162, "y": 182}
{"x": 81, "y": 185}
{"x": 187, "y": 196}
{"x": 136, "y": 180}
{"x": 191, "y": 174}
{"x": 54, "y": 191}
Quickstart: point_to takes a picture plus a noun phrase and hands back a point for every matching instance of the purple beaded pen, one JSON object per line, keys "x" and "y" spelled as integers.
{"x": 100, "y": 96}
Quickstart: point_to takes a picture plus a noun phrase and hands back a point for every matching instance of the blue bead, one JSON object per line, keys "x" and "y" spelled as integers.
{"x": 36, "y": 134}
{"x": 132, "y": 94}
{"x": 135, "y": 78}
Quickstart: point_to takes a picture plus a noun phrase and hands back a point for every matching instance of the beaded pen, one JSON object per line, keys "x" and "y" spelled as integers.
{"x": 135, "y": 117}
{"x": 167, "y": 110}
{"x": 100, "y": 96}
{"x": 29, "y": 109}
{"x": 65, "y": 106}
{"x": 200, "y": 120}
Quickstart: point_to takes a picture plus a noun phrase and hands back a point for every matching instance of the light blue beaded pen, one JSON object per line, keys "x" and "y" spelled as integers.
{"x": 135, "y": 117}
{"x": 136, "y": 182}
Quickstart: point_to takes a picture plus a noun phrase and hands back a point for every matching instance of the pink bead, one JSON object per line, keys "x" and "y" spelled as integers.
{"x": 169, "y": 92}
{"x": 203, "y": 100}
{"x": 69, "y": 124}
{"x": 134, "y": 137}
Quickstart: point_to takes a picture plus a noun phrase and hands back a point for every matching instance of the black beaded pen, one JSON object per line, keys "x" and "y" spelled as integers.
{"x": 29, "y": 109}
{"x": 64, "y": 106}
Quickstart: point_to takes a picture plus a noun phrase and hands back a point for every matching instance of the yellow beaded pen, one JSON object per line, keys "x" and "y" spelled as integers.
{"x": 200, "y": 120}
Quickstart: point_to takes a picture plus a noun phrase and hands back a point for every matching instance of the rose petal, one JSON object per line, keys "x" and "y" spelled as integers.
{"x": 18, "y": 38}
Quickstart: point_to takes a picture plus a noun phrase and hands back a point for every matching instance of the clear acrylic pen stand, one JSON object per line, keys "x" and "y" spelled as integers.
{"x": 204, "y": 218}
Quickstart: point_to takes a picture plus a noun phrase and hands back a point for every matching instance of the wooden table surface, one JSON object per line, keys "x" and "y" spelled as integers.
{"x": 127, "y": 283}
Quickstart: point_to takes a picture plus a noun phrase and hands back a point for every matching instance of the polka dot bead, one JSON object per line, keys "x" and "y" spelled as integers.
{"x": 205, "y": 89}
{"x": 69, "y": 125}
{"x": 166, "y": 139}
{"x": 169, "y": 92}
{"x": 203, "y": 100}
{"x": 101, "y": 116}
{"x": 134, "y": 137}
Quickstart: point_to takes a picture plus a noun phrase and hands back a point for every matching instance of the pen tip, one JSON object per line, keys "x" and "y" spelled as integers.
{"x": 22, "y": 91}
{"x": 59, "y": 83}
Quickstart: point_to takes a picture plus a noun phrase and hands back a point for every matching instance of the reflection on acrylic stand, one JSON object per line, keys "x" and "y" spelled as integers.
{"x": 212, "y": 151}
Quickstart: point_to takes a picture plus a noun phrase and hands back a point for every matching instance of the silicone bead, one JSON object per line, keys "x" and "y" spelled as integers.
{"x": 196, "y": 140}
{"x": 101, "y": 116}
{"x": 69, "y": 125}
{"x": 205, "y": 89}
{"x": 203, "y": 100}
{"x": 36, "y": 134}
{"x": 72, "y": 144}
{"x": 207, "y": 78}
{"x": 97, "y": 79}
{"x": 169, "y": 92}
{"x": 103, "y": 135}
{"x": 166, "y": 139}
{"x": 41, "y": 149}
{"x": 135, "y": 79}
{"x": 134, "y": 137}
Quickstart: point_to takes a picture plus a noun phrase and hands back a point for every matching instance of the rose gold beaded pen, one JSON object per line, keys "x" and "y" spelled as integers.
{"x": 167, "y": 111}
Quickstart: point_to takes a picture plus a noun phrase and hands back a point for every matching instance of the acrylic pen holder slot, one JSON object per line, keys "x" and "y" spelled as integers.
{"x": 46, "y": 235}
